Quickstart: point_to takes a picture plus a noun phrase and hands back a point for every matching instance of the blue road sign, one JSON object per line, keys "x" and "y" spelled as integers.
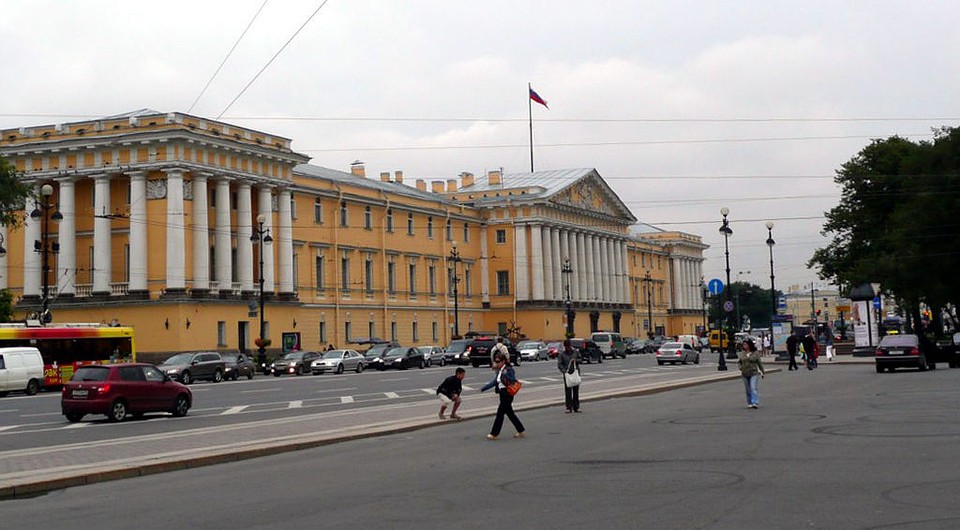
{"x": 715, "y": 286}
{"x": 782, "y": 302}
{"x": 876, "y": 302}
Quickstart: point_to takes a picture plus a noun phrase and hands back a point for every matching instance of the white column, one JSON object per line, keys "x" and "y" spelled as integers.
{"x": 536, "y": 261}
{"x": 606, "y": 268}
{"x": 520, "y": 262}
{"x": 4, "y": 269}
{"x": 138, "y": 231}
{"x": 201, "y": 234}
{"x": 625, "y": 263}
{"x": 102, "y": 266}
{"x": 223, "y": 246}
{"x": 576, "y": 261}
{"x": 597, "y": 267}
{"x": 555, "y": 246}
{"x": 586, "y": 267}
{"x": 565, "y": 254}
{"x": 615, "y": 285}
{"x": 689, "y": 285}
{"x": 548, "y": 272}
{"x": 589, "y": 253}
{"x": 265, "y": 207}
{"x": 67, "y": 238}
{"x": 484, "y": 266}
{"x": 244, "y": 231}
{"x": 176, "y": 234}
{"x": 285, "y": 241}
{"x": 31, "y": 258}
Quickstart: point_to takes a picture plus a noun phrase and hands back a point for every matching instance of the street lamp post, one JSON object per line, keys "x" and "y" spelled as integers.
{"x": 727, "y": 232}
{"x": 813, "y": 308}
{"x": 703, "y": 303}
{"x": 455, "y": 259}
{"x": 649, "y": 283}
{"x": 773, "y": 292}
{"x": 44, "y": 247}
{"x": 261, "y": 235}
{"x": 567, "y": 271}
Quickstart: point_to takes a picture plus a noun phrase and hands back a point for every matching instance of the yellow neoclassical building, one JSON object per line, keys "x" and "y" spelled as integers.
{"x": 173, "y": 223}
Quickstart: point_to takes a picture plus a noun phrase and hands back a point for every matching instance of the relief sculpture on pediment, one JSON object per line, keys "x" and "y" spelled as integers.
{"x": 584, "y": 196}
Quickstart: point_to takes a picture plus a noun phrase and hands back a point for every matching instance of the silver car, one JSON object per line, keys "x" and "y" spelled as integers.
{"x": 533, "y": 350}
{"x": 677, "y": 352}
{"x": 433, "y": 355}
{"x": 337, "y": 361}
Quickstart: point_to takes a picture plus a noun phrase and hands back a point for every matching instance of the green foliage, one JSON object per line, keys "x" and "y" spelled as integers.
{"x": 13, "y": 195}
{"x": 6, "y": 306}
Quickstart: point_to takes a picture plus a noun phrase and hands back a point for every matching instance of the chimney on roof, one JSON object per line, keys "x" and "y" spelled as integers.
{"x": 495, "y": 178}
{"x": 451, "y": 185}
{"x": 436, "y": 186}
{"x": 466, "y": 179}
{"x": 356, "y": 168}
{"x": 398, "y": 177}
{"x": 421, "y": 185}
{"x": 384, "y": 176}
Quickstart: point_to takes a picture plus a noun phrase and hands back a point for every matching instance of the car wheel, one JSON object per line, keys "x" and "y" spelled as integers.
{"x": 696, "y": 360}
{"x": 923, "y": 365}
{"x": 33, "y": 386}
{"x": 423, "y": 364}
{"x": 359, "y": 367}
{"x": 74, "y": 417}
{"x": 475, "y": 364}
{"x": 181, "y": 406}
{"x": 879, "y": 369}
{"x": 217, "y": 376}
{"x": 340, "y": 368}
{"x": 118, "y": 411}
{"x": 600, "y": 360}
{"x": 249, "y": 375}
{"x": 932, "y": 366}
{"x": 276, "y": 374}
{"x": 186, "y": 378}
{"x": 443, "y": 362}
{"x": 659, "y": 363}
{"x": 683, "y": 361}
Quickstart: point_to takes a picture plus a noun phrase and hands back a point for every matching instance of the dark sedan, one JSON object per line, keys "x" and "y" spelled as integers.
{"x": 238, "y": 365}
{"x": 295, "y": 362}
{"x": 189, "y": 367}
{"x": 588, "y": 350}
{"x": 401, "y": 358}
{"x": 117, "y": 390}
{"x": 899, "y": 351}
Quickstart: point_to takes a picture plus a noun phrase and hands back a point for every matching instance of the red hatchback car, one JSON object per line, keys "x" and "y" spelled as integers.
{"x": 120, "y": 389}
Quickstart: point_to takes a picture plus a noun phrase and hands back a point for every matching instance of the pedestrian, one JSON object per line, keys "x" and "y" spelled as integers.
{"x": 568, "y": 363}
{"x": 499, "y": 347}
{"x": 792, "y": 343}
{"x": 766, "y": 344}
{"x": 751, "y": 369}
{"x": 828, "y": 344}
{"x": 505, "y": 375}
{"x": 809, "y": 345}
{"x": 449, "y": 392}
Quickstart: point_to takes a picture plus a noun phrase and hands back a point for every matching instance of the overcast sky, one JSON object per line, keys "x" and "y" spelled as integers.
{"x": 682, "y": 106}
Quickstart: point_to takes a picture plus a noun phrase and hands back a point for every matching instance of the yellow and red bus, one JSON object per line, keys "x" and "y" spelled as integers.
{"x": 66, "y": 346}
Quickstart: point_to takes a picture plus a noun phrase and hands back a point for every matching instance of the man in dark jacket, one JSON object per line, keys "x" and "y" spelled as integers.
{"x": 792, "y": 342}
{"x": 568, "y": 362}
{"x": 809, "y": 343}
{"x": 449, "y": 392}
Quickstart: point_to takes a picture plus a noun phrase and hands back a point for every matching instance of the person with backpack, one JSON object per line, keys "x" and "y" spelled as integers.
{"x": 506, "y": 378}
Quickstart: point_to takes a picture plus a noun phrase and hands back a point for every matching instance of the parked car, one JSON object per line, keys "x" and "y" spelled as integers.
{"x": 295, "y": 362}
{"x": 635, "y": 346}
{"x": 454, "y": 352}
{"x": 337, "y": 361}
{"x": 898, "y": 351}
{"x": 533, "y": 350}
{"x": 374, "y": 352}
{"x": 554, "y": 349}
{"x": 21, "y": 369}
{"x": 238, "y": 365}
{"x": 117, "y": 390}
{"x": 478, "y": 352}
{"x": 401, "y": 358}
{"x": 433, "y": 355}
{"x": 588, "y": 350}
{"x": 677, "y": 352}
{"x": 611, "y": 344}
{"x": 190, "y": 367}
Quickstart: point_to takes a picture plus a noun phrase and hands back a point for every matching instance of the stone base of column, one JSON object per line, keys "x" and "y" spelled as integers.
{"x": 175, "y": 294}
{"x": 199, "y": 293}
{"x": 230, "y": 295}
{"x": 139, "y": 294}
{"x": 288, "y": 297}
{"x": 101, "y": 295}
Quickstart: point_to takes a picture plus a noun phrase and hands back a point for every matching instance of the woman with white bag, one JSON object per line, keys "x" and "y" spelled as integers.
{"x": 568, "y": 363}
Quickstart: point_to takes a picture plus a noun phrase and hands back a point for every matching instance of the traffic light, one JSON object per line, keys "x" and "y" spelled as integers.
{"x": 818, "y": 312}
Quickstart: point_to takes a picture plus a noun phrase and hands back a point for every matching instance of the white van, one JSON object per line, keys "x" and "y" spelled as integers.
{"x": 611, "y": 344}
{"x": 21, "y": 370}
{"x": 692, "y": 340}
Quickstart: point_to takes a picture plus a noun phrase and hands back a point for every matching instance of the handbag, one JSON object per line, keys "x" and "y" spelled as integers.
{"x": 571, "y": 378}
{"x": 513, "y": 388}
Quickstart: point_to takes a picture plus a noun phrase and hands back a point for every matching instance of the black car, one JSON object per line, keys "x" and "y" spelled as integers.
{"x": 238, "y": 365}
{"x": 189, "y": 367}
{"x": 376, "y": 351}
{"x": 454, "y": 351}
{"x": 898, "y": 351}
{"x": 478, "y": 351}
{"x": 401, "y": 358}
{"x": 295, "y": 362}
{"x": 588, "y": 350}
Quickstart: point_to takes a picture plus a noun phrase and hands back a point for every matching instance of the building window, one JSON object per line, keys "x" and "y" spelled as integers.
{"x": 389, "y": 219}
{"x": 318, "y": 212}
{"x": 345, "y": 274}
{"x": 413, "y": 278}
{"x": 449, "y": 230}
{"x": 368, "y": 275}
{"x": 466, "y": 232}
{"x": 503, "y": 282}
{"x": 391, "y": 277}
{"x": 416, "y": 332}
{"x": 467, "y": 274}
{"x": 393, "y": 331}
{"x": 343, "y": 214}
{"x": 432, "y": 279}
{"x": 318, "y": 271}
{"x": 367, "y": 218}
{"x": 346, "y": 330}
{"x": 323, "y": 332}
{"x": 430, "y": 227}
{"x": 371, "y": 329}
{"x": 293, "y": 206}
{"x": 433, "y": 332}
{"x": 221, "y": 333}
{"x": 501, "y": 236}
{"x": 409, "y": 224}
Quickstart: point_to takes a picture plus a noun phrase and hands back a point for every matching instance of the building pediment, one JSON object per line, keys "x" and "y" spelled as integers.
{"x": 590, "y": 193}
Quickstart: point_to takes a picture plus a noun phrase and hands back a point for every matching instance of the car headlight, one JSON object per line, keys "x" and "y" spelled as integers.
{"x": 229, "y": 368}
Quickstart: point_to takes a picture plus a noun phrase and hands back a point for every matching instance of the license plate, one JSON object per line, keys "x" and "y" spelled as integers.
{"x": 80, "y": 393}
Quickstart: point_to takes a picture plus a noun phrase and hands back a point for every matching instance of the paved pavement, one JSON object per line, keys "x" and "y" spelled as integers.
{"x": 30, "y": 471}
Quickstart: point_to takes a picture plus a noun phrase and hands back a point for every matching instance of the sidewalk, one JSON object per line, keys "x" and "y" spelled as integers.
{"x": 32, "y": 471}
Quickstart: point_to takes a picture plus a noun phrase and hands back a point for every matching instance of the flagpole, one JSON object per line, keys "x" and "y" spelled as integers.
{"x": 530, "y": 117}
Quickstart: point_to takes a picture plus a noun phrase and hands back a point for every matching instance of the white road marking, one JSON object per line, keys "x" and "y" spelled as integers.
{"x": 8, "y": 427}
{"x": 346, "y": 399}
{"x": 77, "y": 425}
{"x": 391, "y": 395}
{"x": 465, "y": 387}
{"x": 428, "y": 391}
{"x": 259, "y": 391}
{"x": 397, "y": 379}
{"x": 336, "y": 390}
{"x": 295, "y": 405}
{"x": 234, "y": 410}
{"x": 550, "y": 379}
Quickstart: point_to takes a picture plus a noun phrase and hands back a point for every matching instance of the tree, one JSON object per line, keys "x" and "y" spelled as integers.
{"x": 6, "y": 306}
{"x": 13, "y": 195}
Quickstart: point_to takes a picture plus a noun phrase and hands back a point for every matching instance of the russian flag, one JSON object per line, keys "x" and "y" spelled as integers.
{"x": 536, "y": 97}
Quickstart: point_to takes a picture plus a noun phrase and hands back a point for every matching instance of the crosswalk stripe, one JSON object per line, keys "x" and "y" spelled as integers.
{"x": 553, "y": 379}
{"x": 77, "y": 425}
{"x": 234, "y": 410}
{"x": 428, "y": 390}
{"x": 295, "y": 404}
{"x": 346, "y": 399}
{"x": 8, "y": 427}
{"x": 465, "y": 387}
{"x": 391, "y": 395}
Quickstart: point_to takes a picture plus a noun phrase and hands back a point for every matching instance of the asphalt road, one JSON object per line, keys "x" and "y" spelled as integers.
{"x": 840, "y": 447}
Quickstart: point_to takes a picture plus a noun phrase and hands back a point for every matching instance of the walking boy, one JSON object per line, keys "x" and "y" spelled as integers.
{"x": 449, "y": 392}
